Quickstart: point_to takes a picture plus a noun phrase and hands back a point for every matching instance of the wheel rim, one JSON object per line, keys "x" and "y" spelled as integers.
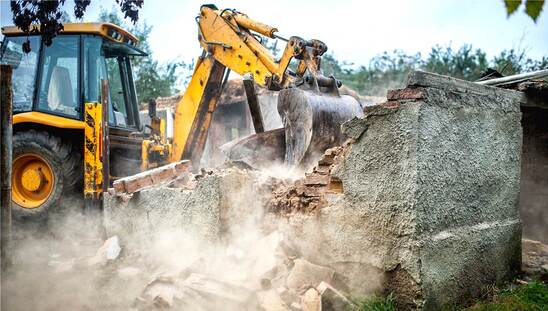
{"x": 32, "y": 181}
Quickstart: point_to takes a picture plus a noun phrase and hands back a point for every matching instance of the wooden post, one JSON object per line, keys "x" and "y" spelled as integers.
{"x": 253, "y": 102}
{"x": 5, "y": 165}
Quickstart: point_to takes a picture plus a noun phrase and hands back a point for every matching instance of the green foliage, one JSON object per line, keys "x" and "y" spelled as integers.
{"x": 532, "y": 7}
{"x": 532, "y": 296}
{"x": 389, "y": 70}
{"x": 376, "y": 303}
{"x": 464, "y": 63}
{"x": 512, "y": 6}
{"x": 151, "y": 78}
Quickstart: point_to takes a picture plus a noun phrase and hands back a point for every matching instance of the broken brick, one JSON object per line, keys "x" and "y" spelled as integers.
{"x": 317, "y": 180}
{"x": 407, "y": 93}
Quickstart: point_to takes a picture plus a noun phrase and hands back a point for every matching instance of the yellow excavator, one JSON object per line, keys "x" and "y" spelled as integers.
{"x": 76, "y": 121}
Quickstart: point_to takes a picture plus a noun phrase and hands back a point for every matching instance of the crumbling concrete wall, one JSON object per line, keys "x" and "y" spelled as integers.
{"x": 430, "y": 189}
{"x": 203, "y": 212}
{"x": 534, "y": 174}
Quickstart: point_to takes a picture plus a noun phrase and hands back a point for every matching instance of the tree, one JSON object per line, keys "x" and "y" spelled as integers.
{"x": 464, "y": 63}
{"x": 48, "y": 14}
{"x": 388, "y": 70}
{"x": 532, "y": 7}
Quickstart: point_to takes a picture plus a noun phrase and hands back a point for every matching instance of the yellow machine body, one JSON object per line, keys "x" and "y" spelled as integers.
{"x": 230, "y": 41}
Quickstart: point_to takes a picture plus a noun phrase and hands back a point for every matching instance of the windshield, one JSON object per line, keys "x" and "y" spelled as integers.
{"x": 24, "y": 69}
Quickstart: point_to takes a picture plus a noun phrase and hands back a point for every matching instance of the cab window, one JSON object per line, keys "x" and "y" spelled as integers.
{"x": 24, "y": 69}
{"x": 95, "y": 70}
{"x": 60, "y": 80}
{"x": 117, "y": 91}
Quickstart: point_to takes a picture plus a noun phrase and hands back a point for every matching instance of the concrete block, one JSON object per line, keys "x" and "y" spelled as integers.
{"x": 430, "y": 195}
{"x": 205, "y": 212}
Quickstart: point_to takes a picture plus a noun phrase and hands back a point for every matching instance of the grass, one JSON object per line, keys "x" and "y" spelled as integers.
{"x": 532, "y": 296}
{"x": 376, "y": 303}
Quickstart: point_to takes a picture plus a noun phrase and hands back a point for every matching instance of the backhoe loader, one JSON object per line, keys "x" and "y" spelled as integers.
{"x": 76, "y": 120}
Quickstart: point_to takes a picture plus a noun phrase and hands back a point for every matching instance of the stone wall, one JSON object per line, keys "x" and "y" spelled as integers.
{"x": 204, "y": 211}
{"x": 430, "y": 189}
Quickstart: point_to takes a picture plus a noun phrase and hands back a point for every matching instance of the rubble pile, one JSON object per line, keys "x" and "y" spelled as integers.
{"x": 534, "y": 259}
{"x": 285, "y": 283}
{"x": 307, "y": 194}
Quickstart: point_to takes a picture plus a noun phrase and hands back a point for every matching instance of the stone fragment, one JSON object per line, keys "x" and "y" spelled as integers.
{"x": 109, "y": 251}
{"x": 160, "y": 292}
{"x": 534, "y": 258}
{"x": 332, "y": 299}
{"x": 61, "y": 266}
{"x": 306, "y": 273}
{"x": 127, "y": 273}
{"x": 295, "y": 306}
{"x": 271, "y": 301}
{"x": 230, "y": 296}
{"x": 288, "y": 296}
{"x": 311, "y": 300}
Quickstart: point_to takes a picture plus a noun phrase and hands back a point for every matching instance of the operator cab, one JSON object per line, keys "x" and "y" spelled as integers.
{"x": 58, "y": 79}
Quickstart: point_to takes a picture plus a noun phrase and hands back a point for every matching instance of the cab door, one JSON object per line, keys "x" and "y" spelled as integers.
{"x": 104, "y": 60}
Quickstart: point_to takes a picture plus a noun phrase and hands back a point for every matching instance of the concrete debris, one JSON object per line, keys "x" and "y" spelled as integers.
{"x": 288, "y": 296}
{"x": 109, "y": 251}
{"x": 307, "y": 194}
{"x": 305, "y": 273}
{"x": 128, "y": 273}
{"x": 154, "y": 177}
{"x": 199, "y": 292}
{"x": 534, "y": 259}
{"x": 415, "y": 190}
{"x": 311, "y": 300}
{"x": 229, "y": 296}
{"x": 62, "y": 266}
{"x": 332, "y": 299}
{"x": 270, "y": 301}
{"x": 159, "y": 293}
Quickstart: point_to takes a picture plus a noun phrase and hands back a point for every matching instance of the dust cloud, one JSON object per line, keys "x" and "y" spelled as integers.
{"x": 67, "y": 267}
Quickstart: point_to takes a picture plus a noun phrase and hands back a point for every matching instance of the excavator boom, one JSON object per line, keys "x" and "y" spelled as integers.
{"x": 230, "y": 39}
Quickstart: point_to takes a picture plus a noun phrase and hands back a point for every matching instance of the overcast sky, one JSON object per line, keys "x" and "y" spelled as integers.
{"x": 353, "y": 30}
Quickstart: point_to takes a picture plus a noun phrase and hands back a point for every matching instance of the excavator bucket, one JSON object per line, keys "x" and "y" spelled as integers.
{"x": 312, "y": 123}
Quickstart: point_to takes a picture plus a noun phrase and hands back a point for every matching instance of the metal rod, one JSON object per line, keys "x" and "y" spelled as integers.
{"x": 105, "y": 153}
{"x": 516, "y": 78}
{"x": 6, "y": 135}
{"x": 253, "y": 102}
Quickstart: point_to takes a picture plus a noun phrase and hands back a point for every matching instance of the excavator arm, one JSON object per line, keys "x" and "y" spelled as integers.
{"x": 229, "y": 40}
{"x": 309, "y": 103}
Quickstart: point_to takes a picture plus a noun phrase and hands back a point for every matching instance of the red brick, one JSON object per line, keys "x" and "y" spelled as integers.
{"x": 407, "y": 93}
{"x": 317, "y": 180}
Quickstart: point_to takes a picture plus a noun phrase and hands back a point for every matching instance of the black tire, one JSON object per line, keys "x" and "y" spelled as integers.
{"x": 65, "y": 162}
